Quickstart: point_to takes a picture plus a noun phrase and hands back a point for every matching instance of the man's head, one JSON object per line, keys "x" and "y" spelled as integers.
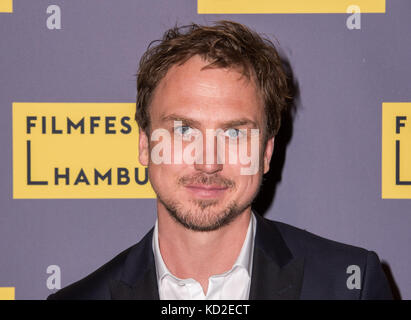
{"x": 222, "y": 77}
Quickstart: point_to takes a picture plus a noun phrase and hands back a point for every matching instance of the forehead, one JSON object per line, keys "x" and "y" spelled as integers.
{"x": 206, "y": 94}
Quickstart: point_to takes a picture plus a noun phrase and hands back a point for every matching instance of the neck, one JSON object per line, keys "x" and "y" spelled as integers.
{"x": 199, "y": 255}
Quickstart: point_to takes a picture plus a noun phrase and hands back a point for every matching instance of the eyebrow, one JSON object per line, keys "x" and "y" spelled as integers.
{"x": 196, "y": 124}
{"x": 176, "y": 117}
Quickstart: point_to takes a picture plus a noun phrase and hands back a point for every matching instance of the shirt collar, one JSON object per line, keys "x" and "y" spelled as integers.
{"x": 244, "y": 259}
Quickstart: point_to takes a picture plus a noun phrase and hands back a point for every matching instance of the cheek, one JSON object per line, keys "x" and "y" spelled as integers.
{"x": 246, "y": 185}
{"x": 160, "y": 176}
{"x": 163, "y": 176}
{"x": 251, "y": 183}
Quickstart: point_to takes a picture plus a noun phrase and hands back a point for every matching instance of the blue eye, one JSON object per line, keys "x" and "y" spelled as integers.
{"x": 183, "y": 130}
{"x": 233, "y": 133}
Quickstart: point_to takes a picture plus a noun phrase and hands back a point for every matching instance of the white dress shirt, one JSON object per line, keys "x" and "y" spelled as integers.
{"x": 231, "y": 285}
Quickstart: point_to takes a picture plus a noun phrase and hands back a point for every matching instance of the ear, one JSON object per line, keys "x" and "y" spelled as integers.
{"x": 143, "y": 148}
{"x": 268, "y": 152}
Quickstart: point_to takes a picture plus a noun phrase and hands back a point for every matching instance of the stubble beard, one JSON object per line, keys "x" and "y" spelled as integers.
{"x": 204, "y": 215}
{"x": 201, "y": 216}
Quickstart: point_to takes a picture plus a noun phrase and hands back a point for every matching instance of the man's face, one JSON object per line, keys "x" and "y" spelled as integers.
{"x": 205, "y": 196}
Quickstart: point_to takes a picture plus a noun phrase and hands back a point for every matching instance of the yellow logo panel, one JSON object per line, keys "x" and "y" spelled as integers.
{"x": 6, "y": 6}
{"x": 288, "y": 6}
{"x": 7, "y": 293}
{"x": 77, "y": 150}
{"x": 396, "y": 151}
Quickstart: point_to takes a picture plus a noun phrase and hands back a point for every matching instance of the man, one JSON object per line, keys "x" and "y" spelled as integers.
{"x": 207, "y": 242}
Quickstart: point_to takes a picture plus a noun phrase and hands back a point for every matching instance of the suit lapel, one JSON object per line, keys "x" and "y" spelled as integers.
{"x": 138, "y": 279}
{"x": 276, "y": 274}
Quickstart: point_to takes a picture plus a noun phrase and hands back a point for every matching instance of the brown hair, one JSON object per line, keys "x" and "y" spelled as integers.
{"x": 226, "y": 44}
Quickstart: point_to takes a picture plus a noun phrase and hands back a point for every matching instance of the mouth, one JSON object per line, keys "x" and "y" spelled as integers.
{"x": 206, "y": 191}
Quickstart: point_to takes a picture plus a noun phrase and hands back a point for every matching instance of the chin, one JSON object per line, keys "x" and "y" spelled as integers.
{"x": 203, "y": 215}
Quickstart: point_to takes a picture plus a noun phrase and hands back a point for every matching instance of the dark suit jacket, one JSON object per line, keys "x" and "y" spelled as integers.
{"x": 288, "y": 263}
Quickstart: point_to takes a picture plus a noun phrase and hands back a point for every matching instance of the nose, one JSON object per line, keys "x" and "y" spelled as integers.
{"x": 209, "y": 160}
{"x": 208, "y": 168}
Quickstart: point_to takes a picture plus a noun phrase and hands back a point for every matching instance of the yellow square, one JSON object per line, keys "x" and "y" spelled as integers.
{"x": 6, "y": 6}
{"x": 396, "y": 150}
{"x": 77, "y": 150}
{"x": 7, "y": 293}
{"x": 287, "y": 6}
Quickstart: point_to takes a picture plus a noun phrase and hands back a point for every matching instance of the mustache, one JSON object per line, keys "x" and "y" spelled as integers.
{"x": 206, "y": 180}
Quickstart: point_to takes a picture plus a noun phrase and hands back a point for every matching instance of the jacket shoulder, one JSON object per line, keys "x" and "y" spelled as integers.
{"x": 304, "y": 242}
{"x": 331, "y": 266}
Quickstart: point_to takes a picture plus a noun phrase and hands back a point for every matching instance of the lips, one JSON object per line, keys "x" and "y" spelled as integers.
{"x": 206, "y": 191}
{"x": 206, "y": 187}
